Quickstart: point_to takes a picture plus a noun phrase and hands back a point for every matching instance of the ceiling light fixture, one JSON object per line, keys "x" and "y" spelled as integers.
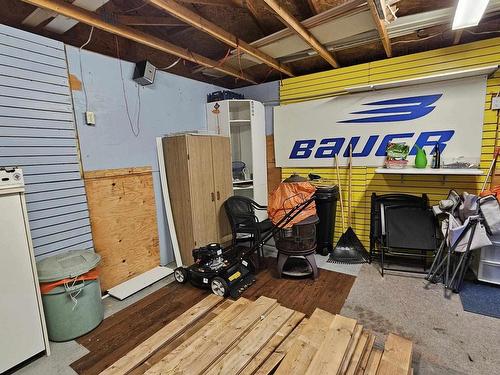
{"x": 469, "y": 13}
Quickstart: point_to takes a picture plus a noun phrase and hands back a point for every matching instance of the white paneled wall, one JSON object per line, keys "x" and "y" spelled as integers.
{"x": 37, "y": 133}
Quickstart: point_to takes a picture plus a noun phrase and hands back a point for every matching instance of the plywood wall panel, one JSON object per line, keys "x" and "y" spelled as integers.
{"x": 123, "y": 219}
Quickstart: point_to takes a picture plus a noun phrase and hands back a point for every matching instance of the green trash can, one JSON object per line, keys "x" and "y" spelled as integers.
{"x": 71, "y": 294}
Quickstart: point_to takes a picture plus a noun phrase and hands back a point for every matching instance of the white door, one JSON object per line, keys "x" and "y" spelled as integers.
{"x": 21, "y": 335}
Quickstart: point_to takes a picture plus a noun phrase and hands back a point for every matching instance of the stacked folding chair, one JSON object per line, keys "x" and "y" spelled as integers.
{"x": 463, "y": 226}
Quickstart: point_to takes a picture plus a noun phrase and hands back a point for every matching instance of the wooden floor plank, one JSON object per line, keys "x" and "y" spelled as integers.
{"x": 358, "y": 330}
{"x": 123, "y": 331}
{"x": 277, "y": 356}
{"x": 187, "y": 335}
{"x": 273, "y": 344}
{"x": 173, "y": 329}
{"x": 133, "y": 328}
{"x": 397, "y": 356}
{"x": 306, "y": 345}
{"x": 366, "y": 354}
{"x": 328, "y": 292}
{"x": 212, "y": 342}
{"x": 218, "y": 323}
{"x": 373, "y": 362}
{"x": 355, "y": 362}
{"x": 328, "y": 359}
{"x": 234, "y": 361}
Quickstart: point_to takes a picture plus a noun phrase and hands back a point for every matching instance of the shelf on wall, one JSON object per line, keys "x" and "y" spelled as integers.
{"x": 237, "y": 182}
{"x": 439, "y": 171}
{"x": 242, "y": 187}
{"x": 236, "y": 122}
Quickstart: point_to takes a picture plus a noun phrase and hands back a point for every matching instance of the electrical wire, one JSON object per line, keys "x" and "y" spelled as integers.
{"x": 171, "y": 65}
{"x": 419, "y": 39}
{"x": 137, "y": 129}
{"x": 84, "y": 88}
{"x": 482, "y": 32}
{"x": 136, "y": 8}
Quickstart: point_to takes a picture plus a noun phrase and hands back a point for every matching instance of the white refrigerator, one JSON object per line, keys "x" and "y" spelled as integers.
{"x": 22, "y": 325}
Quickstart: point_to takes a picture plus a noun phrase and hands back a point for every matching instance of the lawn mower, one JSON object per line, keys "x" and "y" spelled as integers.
{"x": 229, "y": 271}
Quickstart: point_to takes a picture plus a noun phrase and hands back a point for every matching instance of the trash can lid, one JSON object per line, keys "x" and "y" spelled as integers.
{"x": 66, "y": 265}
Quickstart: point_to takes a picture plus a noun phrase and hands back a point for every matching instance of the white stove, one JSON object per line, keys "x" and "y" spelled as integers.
{"x": 11, "y": 179}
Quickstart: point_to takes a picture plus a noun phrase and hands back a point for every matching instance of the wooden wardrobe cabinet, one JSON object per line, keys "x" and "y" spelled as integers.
{"x": 199, "y": 174}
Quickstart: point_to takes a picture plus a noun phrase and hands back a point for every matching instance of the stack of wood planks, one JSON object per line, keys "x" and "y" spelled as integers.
{"x": 219, "y": 336}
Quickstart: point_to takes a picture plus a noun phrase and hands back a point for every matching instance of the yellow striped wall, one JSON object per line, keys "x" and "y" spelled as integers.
{"x": 365, "y": 181}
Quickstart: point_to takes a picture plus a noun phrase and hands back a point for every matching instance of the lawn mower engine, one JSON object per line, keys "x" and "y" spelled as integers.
{"x": 216, "y": 269}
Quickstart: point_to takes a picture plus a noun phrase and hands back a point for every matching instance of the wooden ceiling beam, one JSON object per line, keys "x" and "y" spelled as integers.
{"x": 125, "y": 19}
{"x": 292, "y": 23}
{"x": 92, "y": 19}
{"x": 188, "y": 16}
{"x": 381, "y": 28}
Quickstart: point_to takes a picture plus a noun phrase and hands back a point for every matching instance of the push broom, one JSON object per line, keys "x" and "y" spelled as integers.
{"x": 349, "y": 249}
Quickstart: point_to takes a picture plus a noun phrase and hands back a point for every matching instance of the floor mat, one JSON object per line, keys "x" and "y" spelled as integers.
{"x": 481, "y": 299}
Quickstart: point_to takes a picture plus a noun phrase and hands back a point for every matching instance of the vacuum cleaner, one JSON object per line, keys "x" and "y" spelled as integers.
{"x": 229, "y": 271}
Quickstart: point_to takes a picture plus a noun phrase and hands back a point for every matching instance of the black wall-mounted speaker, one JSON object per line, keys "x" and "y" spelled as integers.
{"x": 144, "y": 73}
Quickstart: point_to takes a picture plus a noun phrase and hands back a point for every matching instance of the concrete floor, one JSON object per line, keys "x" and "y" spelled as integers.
{"x": 448, "y": 341}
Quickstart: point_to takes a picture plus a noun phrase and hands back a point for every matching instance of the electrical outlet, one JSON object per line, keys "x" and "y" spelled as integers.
{"x": 90, "y": 118}
{"x": 495, "y": 102}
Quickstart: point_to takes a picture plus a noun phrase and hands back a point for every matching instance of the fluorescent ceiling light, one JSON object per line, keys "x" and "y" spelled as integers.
{"x": 469, "y": 13}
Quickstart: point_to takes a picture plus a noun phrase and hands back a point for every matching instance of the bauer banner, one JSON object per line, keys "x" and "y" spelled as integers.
{"x": 450, "y": 113}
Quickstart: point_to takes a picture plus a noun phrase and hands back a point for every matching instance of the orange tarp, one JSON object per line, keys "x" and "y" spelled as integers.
{"x": 288, "y": 195}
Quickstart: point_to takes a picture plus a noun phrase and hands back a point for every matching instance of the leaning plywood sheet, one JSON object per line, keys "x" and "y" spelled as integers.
{"x": 123, "y": 219}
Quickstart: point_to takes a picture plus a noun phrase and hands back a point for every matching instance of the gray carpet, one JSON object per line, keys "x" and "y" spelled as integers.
{"x": 448, "y": 340}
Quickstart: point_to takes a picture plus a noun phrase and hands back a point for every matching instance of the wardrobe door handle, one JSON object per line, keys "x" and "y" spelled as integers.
{"x": 218, "y": 195}
{"x": 213, "y": 196}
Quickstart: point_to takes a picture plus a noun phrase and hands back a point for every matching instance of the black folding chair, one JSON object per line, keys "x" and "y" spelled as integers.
{"x": 409, "y": 232}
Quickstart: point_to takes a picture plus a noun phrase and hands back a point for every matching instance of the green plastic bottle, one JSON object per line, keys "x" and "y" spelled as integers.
{"x": 420, "y": 158}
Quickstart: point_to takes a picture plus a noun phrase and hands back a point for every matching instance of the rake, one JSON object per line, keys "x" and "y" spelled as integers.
{"x": 349, "y": 249}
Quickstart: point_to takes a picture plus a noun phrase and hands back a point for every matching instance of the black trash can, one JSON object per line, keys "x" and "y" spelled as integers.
{"x": 326, "y": 198}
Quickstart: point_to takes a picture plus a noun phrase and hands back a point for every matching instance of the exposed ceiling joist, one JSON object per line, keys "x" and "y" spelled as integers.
{"x": 292, "y": 23}
{"x": 125, "y": 19}
{"x": 380, "y": 25}
{"x": 94, "y": 20}
{"x": 188, "y": 16}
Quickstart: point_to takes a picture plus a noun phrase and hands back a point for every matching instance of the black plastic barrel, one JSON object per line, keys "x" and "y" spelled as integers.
{"x": 326, "y": 198}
